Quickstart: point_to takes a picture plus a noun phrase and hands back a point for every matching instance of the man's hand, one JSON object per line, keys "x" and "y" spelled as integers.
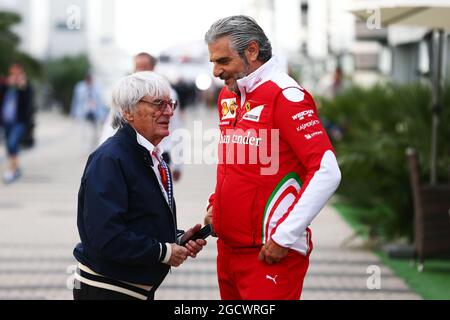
{"x": 209, "y": 220}
{"x": 272, "y": 253}
{"x": 178, "y": 256}
{"x": 194, "y": 247}
{"x": 209, "y": 216}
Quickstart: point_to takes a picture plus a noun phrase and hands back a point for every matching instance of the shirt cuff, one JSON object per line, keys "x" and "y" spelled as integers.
{"x": 279, "y": 243}
{"x": 168, "y": 253}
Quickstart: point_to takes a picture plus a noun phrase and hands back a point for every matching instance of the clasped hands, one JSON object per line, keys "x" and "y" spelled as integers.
{"x": 192, "y": 248}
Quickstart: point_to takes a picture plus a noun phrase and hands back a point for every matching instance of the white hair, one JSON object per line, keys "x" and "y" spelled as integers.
{"x": 131, "y": 89}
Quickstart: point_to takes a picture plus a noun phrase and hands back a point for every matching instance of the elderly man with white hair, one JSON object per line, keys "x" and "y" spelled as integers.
{"x": 126, "y": 209}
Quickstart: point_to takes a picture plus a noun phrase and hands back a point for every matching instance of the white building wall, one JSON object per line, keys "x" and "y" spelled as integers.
{"x": 287, "y": 26}
{"x": 109, "y": 63}
{"x": 263, "y": 12}
{"x": 68, "y": 28}
{"x": 39, "y": 28}
{"x": 341, "y": 26}
{"x": 317, "y": 38}
{"x": 401, "y": 35}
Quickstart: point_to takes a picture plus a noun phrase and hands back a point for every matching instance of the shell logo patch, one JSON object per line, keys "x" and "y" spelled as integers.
{"x": 225, "y": 109}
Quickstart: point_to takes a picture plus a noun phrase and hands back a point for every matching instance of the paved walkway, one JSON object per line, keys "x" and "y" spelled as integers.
{"x": 38, "y": 229}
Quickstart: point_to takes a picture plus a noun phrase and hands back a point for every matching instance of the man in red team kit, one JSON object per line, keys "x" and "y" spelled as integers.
{"x": 277, "y": 168}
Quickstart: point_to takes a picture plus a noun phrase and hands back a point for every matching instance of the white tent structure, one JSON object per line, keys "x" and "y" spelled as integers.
{"x": 432, "y": 14}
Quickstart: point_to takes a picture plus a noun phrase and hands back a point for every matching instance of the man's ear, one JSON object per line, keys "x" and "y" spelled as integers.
{"x": 128, "y": 116}
{"x": 252, "y": 51}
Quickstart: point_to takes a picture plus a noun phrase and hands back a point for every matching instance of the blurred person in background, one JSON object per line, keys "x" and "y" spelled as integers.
{"x": 126, "y": 207}
{"x": 88, "y": 107}
{"x": 334, "y": 130}
{"x": 337, "y": 81}
{"x": 146, "y": 62}
{"x": 261, "y": 210}
{"x": 16, "y": 95}
{"x": 186, "y": 91}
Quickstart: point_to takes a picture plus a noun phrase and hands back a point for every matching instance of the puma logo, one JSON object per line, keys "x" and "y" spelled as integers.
{"x": 274, "y": 279}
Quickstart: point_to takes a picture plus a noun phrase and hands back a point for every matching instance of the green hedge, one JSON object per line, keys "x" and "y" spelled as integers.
{"x": 378, "y": 125}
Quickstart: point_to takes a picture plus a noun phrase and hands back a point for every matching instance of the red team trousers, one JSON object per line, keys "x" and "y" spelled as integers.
{"x": 243, "y": 277}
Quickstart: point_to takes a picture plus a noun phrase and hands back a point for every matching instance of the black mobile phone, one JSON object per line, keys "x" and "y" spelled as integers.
{"x": 203, "y": 233}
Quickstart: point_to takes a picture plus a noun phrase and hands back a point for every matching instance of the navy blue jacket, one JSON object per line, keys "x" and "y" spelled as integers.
{"x": 123, "y": 217}
{"x": 24, "y": 101}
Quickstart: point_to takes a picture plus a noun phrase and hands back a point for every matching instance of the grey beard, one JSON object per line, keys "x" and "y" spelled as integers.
{"x": 235, "y": 88}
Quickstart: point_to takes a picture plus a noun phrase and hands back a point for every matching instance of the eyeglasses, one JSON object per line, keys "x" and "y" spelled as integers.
{"x": 161, "y": 104}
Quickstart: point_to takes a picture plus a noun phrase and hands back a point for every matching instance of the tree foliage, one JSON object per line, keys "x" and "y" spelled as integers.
{"x": 9, "y": 43}
{"x": 378, "y": 125}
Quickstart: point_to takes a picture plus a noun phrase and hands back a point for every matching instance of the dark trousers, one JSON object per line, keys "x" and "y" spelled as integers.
{"x": 87, "y": 292}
